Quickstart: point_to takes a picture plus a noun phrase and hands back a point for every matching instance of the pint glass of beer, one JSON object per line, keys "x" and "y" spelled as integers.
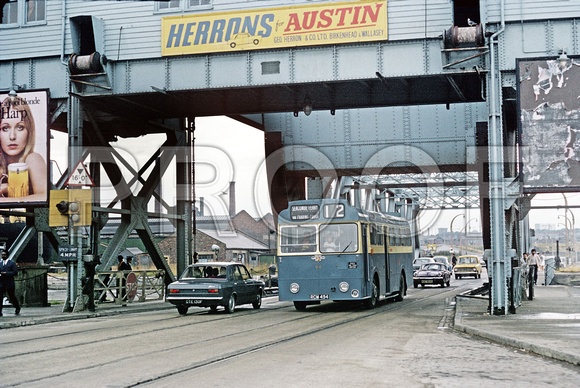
{"x": 18, "y": 180}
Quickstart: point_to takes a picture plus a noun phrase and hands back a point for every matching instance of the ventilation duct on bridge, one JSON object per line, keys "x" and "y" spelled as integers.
{"x": 88, "y": 42}
{"x": 458, "y": 36}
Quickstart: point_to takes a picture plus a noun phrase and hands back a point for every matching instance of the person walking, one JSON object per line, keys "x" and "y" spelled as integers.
{"x": 453, "y": 260}
{"x": 8, "y": 271}
{"x": 533, "y": 262}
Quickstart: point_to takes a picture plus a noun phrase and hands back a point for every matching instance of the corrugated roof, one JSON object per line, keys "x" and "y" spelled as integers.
{"x": 235, "y": 240}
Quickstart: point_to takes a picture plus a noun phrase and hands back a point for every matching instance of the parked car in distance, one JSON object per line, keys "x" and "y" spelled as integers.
{"x": 214, "y": 284}
{"x": 483, "y": 263}
{"x": 467, "y": 265}
{"x": 444, "y": 260}
{"x": 432, "y": 273}
{"x": 418, "y": 262}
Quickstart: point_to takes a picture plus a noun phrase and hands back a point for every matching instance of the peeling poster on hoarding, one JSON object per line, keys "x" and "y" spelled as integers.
{"x": 549, "y": 98}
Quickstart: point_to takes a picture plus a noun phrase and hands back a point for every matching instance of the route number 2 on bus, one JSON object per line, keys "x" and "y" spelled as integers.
{"x": 333, "y": 210}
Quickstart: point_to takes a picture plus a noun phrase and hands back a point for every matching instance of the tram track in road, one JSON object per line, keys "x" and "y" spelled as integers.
{"x": 392, "y": 306}
{"x": 89, "y": 333}
{"x": 312, "y": 323}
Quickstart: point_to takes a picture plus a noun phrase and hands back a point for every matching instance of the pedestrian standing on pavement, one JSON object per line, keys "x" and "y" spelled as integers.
{"x": 533, "y": 261}
{"x": 453, "y": 260}
{"x": 524, "y": 259}
{"x": 8, "y": 271}
{"x": 123, "y": 266}
{"x": 89, "y": 286}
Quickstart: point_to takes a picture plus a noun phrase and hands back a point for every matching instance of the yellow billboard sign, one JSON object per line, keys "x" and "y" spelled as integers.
{"x": 306, "y": 25}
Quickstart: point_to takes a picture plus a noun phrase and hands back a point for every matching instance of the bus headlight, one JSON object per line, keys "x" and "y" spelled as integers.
{"x": 343, "y": 287}
{"x": 294, "y": 288}
{"x": 354, "y": 293}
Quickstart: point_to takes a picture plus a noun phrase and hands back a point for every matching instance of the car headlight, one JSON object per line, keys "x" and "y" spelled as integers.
{"x": 294, "y": 288}
{"x": 354, "y": 293}
{"x": 343, "y": 287}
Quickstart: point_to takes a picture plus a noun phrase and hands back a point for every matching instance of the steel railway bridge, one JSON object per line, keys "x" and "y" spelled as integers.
{"x": 419, "y": 102}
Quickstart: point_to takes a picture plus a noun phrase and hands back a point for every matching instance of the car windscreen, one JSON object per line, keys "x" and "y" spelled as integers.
{"x": 468, "y": 260}
{"x": 432, "y": 267}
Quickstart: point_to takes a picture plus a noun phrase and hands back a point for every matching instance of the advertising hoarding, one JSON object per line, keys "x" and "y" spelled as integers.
{"x": 24, "y": 148}
{"x": 271, "y": 28}
{"x": 549, "y": 121}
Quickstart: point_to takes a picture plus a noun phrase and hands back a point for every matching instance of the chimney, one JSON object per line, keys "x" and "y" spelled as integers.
{"x": 201, "y": 206}
{"x": 232, "y": 199}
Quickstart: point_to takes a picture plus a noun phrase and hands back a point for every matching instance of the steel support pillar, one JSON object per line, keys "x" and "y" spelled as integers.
{"x": 75, "y": 300}
{"x": 500, "y": 263}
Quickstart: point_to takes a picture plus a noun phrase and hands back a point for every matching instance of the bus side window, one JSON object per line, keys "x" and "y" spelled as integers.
{"x": 407, "y": 240}
{"x": 397, "y": 237}
{"x": 378, "y": 235}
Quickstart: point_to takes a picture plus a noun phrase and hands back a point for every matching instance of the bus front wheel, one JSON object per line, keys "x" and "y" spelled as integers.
{"x": 371, "y": 302}
{"x": 300, "y": 306}
{"x": 401, "y": 293}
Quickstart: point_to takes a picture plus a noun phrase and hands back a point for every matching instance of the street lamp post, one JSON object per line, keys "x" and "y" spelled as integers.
{"x": 565, "y": 225}
{"x": 568, "y": 224}
{"x": 465, "y": 228}
{"x": 451, "y": 230}
{"x": 573, "y": 233}
{"x": 573, "y": 226}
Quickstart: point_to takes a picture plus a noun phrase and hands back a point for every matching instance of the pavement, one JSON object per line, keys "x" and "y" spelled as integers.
{"x": 54, "y": 313}
{"x": 548, "y": 326}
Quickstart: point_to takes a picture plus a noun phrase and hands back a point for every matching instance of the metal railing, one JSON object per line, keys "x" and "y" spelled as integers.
{"x": 120, "y": 287}
{"x": 518, "y": 287}
{"x": 549, "y": 270}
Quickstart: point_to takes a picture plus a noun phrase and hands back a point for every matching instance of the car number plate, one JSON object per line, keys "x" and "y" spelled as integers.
{"x": 428, "y": 281}
{"x": 193, "y": 301}
{"x": 319, "y": 296}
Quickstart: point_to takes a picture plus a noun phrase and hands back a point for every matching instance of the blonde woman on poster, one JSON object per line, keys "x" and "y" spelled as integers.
{"x": 23, "y": 172}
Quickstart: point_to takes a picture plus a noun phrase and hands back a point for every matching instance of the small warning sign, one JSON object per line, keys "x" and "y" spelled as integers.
{"x": 80, "y": 177}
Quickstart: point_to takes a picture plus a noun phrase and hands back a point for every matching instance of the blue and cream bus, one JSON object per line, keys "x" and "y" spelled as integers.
{"x": 330, "y": 250}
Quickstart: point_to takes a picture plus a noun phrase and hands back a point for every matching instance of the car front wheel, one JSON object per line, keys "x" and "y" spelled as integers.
{"x": 300, "y": 306}
{"x": 258, "y": 302}
{"x": 231, "y": 306}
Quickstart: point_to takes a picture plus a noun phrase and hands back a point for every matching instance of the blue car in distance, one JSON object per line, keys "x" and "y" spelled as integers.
{"x": 215, "y": 284}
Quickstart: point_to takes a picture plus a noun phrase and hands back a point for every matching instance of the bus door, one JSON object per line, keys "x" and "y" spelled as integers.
{"x": 386, "y": 233}
{"x": 364, "y": 247}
